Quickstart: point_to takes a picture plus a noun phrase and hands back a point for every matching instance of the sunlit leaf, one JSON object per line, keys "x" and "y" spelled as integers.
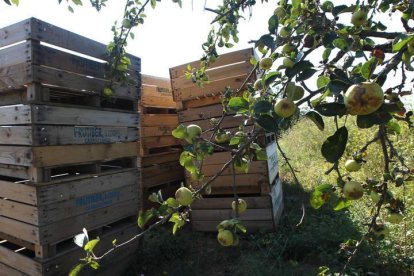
{"x": 334, "y": 146}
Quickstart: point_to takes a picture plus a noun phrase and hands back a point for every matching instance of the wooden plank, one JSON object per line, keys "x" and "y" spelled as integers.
{"x": 64, "y": 135}
{"x": 57, "y": 115}
{"x": 222, "y": 214}
{"x": 59, "y": 155}
{"x": 159, "y": 158}
{"x": 242, "y": 180}
{"x": 214, "y": 203}
{"x": 14, "y": 33}
{"x": 12, "y": 239}
{"x": 15, "y": 115}
{"x": 229, "y": 72}
{"x": 16, "y": 54}
{"x": 8, "y": 271}
{"x": 159, "y": 174}
{"x": 53, "y": 213}
{"x": 206, "y": 112}
{"x": 252, "y": 226}
{"x": 54, "y": 58}
{"x": 15, "y": 155}
{"x": 213, "y": 88}
{"x": 156, "y": 131}
{"x": 152, "y": 96}
{"x": 224, "y": 59}
{"x": 256, "y": 167}
{"x": 158, "y": 142}
{"x": 156, "y": 81}
{"x": 149, "y": 120}
{"x": 199, "y": 102}
{"x": 14, "y": 171}
{"x": 228, "y": 122}
{"x": 67, "y": 228}
{"x": 19, "y": 261}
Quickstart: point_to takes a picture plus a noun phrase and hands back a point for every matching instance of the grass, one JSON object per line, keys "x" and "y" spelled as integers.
{"x": 309, "y": 248}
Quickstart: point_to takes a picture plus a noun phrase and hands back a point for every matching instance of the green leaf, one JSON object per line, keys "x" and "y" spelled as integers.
{"x": 172, "y": 202}
{"x": 153, "y": 3}
{"x": 16, "y": 2}
{"x": 321, "y": 195}
{"x": 327, "y": 6}
{"x": 376, "y": 118}
{"x": 316, "y": 118}
{"x": 273, "y": 24}
{"x": 8, "y": 2}
{"x": 337, "y": 86}
{"x": 238, "y": 104}
{"x": 400, "y": 42}
{"x": 91, "y": 245}
{"x": 241, "y": 228}
{"x": 94, "y": 265}
{"x": 298, "y": 67}
{"x": 178, "y": 222}
{"x": 144, "y": 217}
{"x": 76, "y": 2}
{"x": 261, "y": 155}
{"x": 296, "y": 3}
{"x": 331, "y": 109}
{"x": 262, "y": 107}
{"x": 71, "y": 9}
{"x": 305, "y": 74}
{"x": 338, "y": 9}
{"x": 322, "y": 81}
{"x": 184, "y": 156}
{"x": 268, "y": 123}
{"x": 270, "y": 77}
{"x": 334, "y": 146}
{"x": 368, "y": 68}
{"x": 75, "y": 271}
{"x": 180, "y": 132}
{"x": 342, "y": 203}
{"x": 326, "y": 54}
{"x": 267, "y": 40}
{"x": 394, "y": 126}
{"x": 341, "y": 43}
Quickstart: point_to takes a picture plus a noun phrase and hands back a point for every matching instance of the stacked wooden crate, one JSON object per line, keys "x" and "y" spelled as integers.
{"x": 159, "y": 151}
{"x": 260, "y": 187}
{"x": 67, "y": 153}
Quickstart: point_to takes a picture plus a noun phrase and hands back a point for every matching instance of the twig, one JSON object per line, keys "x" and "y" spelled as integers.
{"x": 287, "y": 161}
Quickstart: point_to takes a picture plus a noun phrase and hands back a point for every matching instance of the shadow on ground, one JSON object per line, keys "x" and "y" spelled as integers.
{"x": 291, "y": 250}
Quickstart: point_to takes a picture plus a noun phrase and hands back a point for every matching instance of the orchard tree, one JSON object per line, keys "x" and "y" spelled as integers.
{"x": 318, "y": 59}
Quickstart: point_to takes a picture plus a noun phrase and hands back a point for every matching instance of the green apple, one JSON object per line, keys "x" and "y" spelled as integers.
{"x": 410, "y": 49}
{"x": 352, "y": 166}
{"x": 359, "y": 18}
{"x": 184, "y": 196}
{"x": 353, "y": 190}
{"x": 363, "y": 98}
{"x": 266, "y": 63}
{"x": 284, "y": 108}
{"x": 285, "y": 32}
{"x": 258, "y": 85}
{"x": 241, "y": 206}
{"x": 222, "y": 137}
{"x": 107, "y": 92}
{"x": 375, "y": 197}
{"x": 193, "y": 131}
{"x": 294, "y": 92}
{"x": 225, "y": 237}
{"x": 288, "y": 62}
{"x": 288, "y": 48}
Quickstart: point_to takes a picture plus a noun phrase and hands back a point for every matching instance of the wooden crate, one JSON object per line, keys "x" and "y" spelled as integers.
{"x": 262, "y": 214}
{"x": 230, "y": 70}
{"x": 256, "y": 181}
{"x": 159, "y": 151}
{"x": 19, "y": 260}
{"x": 47, "y": 64}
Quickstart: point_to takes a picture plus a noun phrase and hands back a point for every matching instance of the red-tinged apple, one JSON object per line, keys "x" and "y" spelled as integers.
{"x": 266, "y": 63}
{"x": 284, "y": 108}
{"x": 352, "y": 165}
{"x": 184, "y": 196}
{"x": 225, "y": 237}
{"x": 241, "y": 206}
{"x": 353, "y": 190}
{"x": 363, "y": 98}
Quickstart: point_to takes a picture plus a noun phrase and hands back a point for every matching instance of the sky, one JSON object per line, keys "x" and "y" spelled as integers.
{"x": 169, "y": 37}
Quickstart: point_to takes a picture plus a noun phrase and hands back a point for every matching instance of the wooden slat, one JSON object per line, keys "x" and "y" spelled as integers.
{"x": 158, "y": 142}
{"x": 159, "y": 174}
{"x": 156, "y": 81}
{"x": 159, "y": 158}
{"x": 152, "y": 96}
{"x": 14, "y": 171}
{"x": 214, "y": 203}
{"x": 206, "y": 112}
{"x": 15, "y": 33}
{"x": 19, "y": 261}
{"x": 251, "y": 226}
{"x": 65, "y": 135}
{"x": 227, "y": 123}
{"x": 16, "y": 54}
{"x": 67, "y": 228}
{"x": 229, "y": 72}
{"x": 149, "y": 120}
{"x": 156, "y": 131}
{"x": 255, "y": 167}
{"x": 8, "y": 271}
{"x": 15, "y": 115}
{"x": 222, "y": 214}
{"x": 199, "y": 102}
{"x": 224, "y": 59}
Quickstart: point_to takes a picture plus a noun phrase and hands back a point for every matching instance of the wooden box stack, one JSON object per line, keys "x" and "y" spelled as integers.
{"x": 159, "y": 151}
{"x": 260, "y": 187}
{"x": 67, "y": 153}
